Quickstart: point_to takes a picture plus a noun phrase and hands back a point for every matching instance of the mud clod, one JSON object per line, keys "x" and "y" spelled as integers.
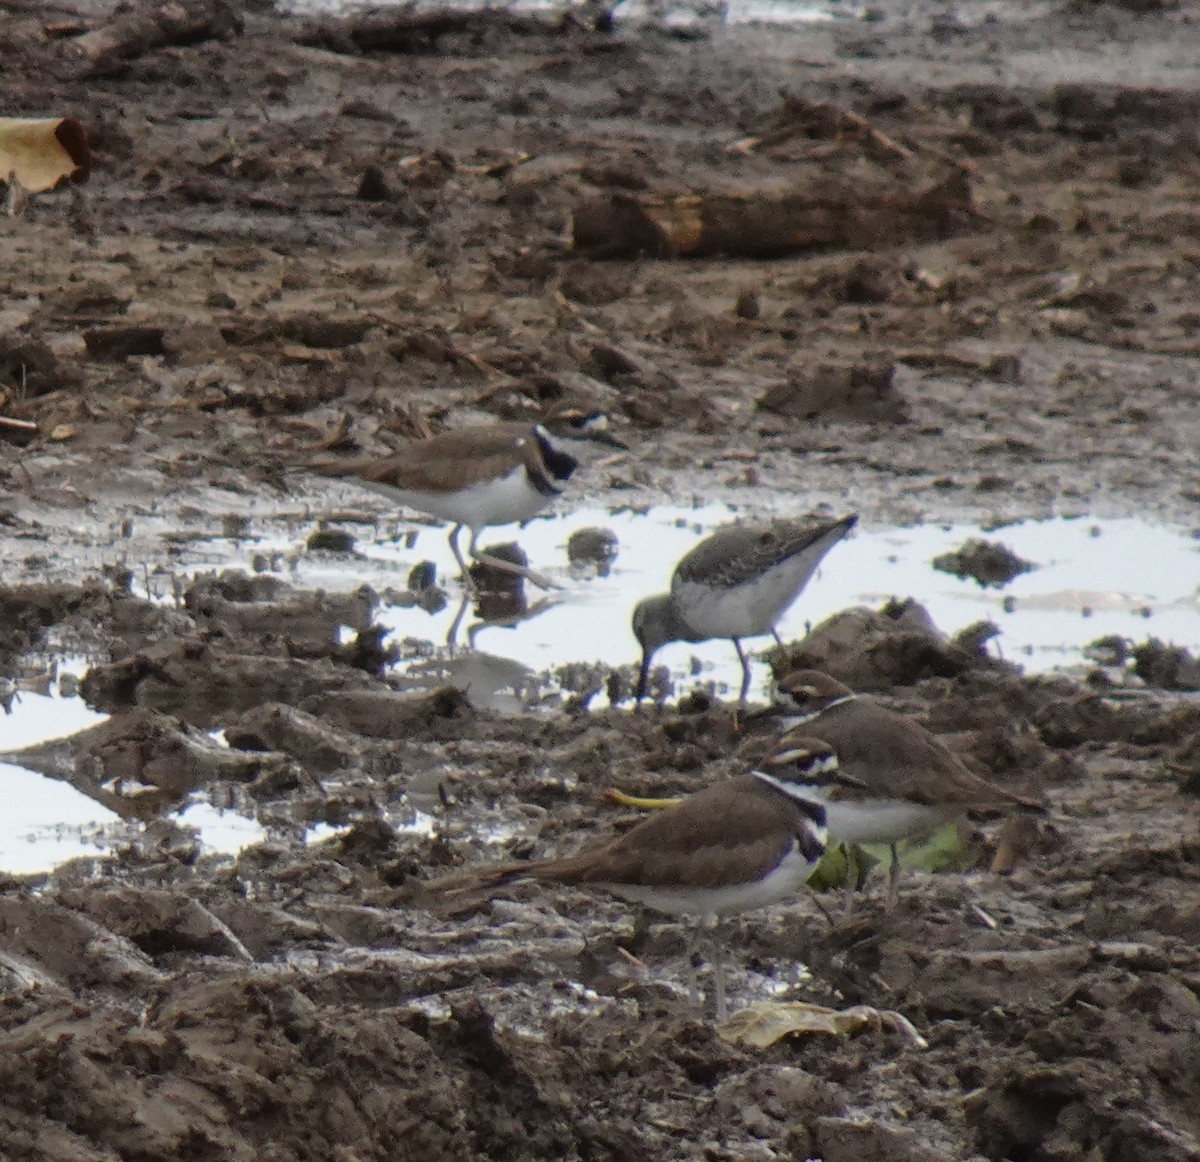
{"x": 988, "y": 562}
{"x": 839, "y": 390}
{"x": 1165, "y": 667}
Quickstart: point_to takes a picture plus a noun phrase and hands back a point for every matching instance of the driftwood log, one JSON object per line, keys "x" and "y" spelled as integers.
{"x": 139, "y": 29}
{"x": 768, "y": 226}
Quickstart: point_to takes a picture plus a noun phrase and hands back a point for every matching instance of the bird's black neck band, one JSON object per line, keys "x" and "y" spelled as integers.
{"x": 558, "y": 463}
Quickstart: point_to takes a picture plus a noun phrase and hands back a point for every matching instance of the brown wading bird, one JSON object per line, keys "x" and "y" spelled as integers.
{"x": 736, "y": 845}
{"x": 495, "y": 474}
{"x": 899, "y": 780}
{"x": 736, "y": 583}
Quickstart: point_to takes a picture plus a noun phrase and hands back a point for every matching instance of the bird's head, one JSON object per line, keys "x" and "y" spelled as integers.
{"x": 808, "y": 692}
{"x": 655, "y": 623}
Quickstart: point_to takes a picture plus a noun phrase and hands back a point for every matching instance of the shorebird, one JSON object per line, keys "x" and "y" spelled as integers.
{"x": 736, "y": 583}
{"x": 899, "y": 781}
{"x": 736, "y": 845}
{"x": 495, "y": 474}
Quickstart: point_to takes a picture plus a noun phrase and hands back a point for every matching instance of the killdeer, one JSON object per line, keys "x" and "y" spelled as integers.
{"x": 736, "y": 845}
{"x": 490, "y": 475}
{"x": 898, "y": 780}
{"x": 736, "y": 583}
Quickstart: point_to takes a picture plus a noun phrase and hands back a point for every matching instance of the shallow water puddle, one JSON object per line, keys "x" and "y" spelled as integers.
{"x": 47, "y": 821}
{"x": 668, "y": 15}
{"x": 1093, "y": 578}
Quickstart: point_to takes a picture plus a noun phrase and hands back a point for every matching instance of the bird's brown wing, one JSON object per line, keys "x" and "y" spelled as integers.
{"x": 892, "y": 755}
{"x": 738, "y": 553}
{"x": 731, "y": 832}
{"x": 445, "y": 462}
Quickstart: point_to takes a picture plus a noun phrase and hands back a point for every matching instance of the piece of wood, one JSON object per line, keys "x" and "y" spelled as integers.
{"x": 768, "y": 225}
{"x": 141, "y": 28}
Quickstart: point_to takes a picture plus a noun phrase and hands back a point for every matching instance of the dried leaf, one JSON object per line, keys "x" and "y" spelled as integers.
{"x": 761, "y": 1025}
{"x": 43, "y": 152}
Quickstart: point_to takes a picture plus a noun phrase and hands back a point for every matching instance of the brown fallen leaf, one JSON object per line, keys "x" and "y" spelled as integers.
{"x": 43, "y": 152}
{"x": 761, "y": 1025}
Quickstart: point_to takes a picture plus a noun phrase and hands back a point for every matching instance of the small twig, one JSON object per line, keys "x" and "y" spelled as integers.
{"x": 20, "y": 425}
{"x": 335, "y": 439}
{"x": 16, "y": 197}
{"x": 986, "y": 920}
{"x": 828, "y": 120}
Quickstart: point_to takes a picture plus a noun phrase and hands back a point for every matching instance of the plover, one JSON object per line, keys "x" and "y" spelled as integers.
{"x": 740, "y": 844}
{"x": 736, "y": 583}
{"x": 899, "y": 781}
{"x": 495, "y": 474}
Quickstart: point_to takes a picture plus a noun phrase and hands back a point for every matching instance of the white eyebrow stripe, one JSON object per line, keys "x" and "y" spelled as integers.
{"x": 820, "y": 766}
{"x": 795, "y": 791}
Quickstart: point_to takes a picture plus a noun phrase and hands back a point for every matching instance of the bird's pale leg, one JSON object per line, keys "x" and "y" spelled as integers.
{"x": 468, "y": 584}
{"x": 689, "y": 953}
{"x": 719, "y": 989}
{"x": 893, "y": 893}
{"x": 741, "y": 653}
{"x": 452, "y": 633}
{"x": 853, "y": 883}
{"x": 718, "y": 965}
{"x": 530, "y": 575}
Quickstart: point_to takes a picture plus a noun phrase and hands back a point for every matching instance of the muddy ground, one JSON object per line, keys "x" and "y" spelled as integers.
{"x": 283, "y": 231}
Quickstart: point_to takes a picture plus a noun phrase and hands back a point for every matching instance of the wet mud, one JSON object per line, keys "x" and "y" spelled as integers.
{"x": 296, "y": 240}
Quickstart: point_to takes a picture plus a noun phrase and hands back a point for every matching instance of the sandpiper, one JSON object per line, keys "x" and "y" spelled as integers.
{"x": 736, "y": 583}
{"x": 736, "y": 845}
{"x": 495, "y": 474}
{"x": 899, "y": 781}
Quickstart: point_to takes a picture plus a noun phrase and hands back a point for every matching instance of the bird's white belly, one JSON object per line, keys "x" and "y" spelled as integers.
{"x": 750, "y": 609}
{"x": 503, "y": 501}
{"x": 785, "y": 881}
{"x": 881, "y": 821}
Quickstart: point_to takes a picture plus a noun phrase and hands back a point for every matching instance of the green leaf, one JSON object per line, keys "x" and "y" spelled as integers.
{"x": 842, "y": 864}
{"x": 944, "y": 850}
{"x": 846, "y": 863}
